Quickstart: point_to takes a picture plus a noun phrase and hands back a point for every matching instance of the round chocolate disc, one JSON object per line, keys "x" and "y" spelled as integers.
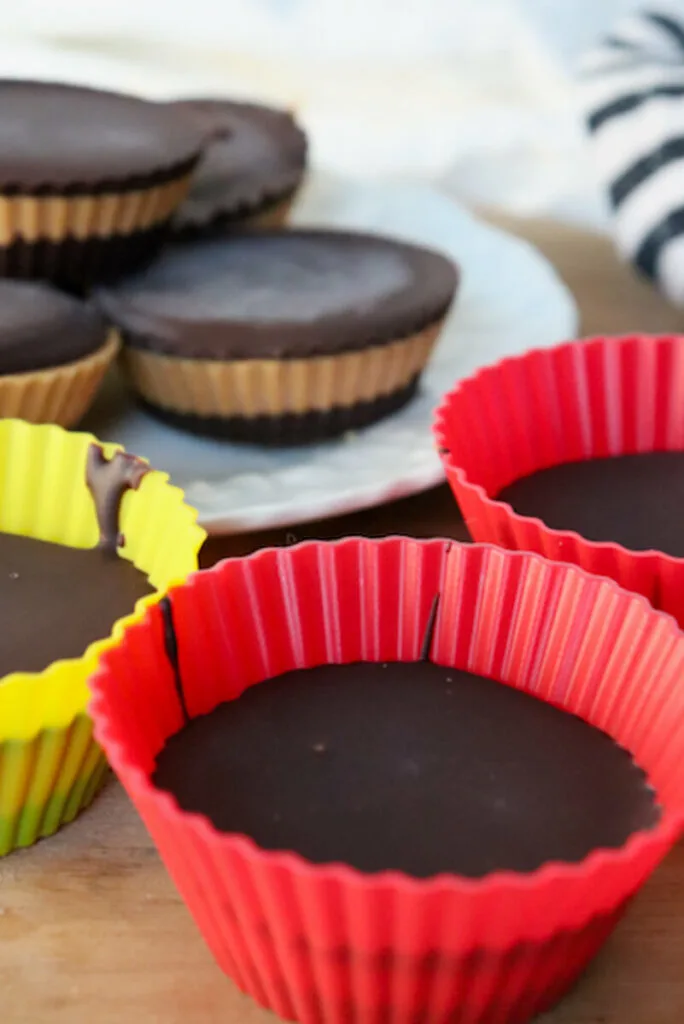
{"x": 408, "y": 766}
{"x": 41, "y": 327}
{"x": 73, "y": 139}
{"x": 282, "y": 295}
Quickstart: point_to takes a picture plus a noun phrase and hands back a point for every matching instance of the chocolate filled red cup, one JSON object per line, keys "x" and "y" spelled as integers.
{"x": 581, "y": 401}
{"x": 326, "y": 943}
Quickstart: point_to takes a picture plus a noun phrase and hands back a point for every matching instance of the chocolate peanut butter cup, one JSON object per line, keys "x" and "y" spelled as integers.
{"x": 282, "y": 337}
{"x": 251, "y": 168}
{"x": 88, "y": 180}
{"x": 54, "y": 351}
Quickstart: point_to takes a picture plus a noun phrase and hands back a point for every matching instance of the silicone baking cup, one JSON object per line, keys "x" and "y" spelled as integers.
{"x": 326, "y": 944}
{"x": 60, "y": 394}
{"x": 50, "y": 765}
{"x": 584, "y": 399}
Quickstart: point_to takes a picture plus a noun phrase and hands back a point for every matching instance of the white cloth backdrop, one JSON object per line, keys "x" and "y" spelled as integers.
{"x": 477, "y": 95}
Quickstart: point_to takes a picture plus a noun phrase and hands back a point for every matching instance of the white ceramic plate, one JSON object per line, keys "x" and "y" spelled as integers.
{"x": 510, "y": 300}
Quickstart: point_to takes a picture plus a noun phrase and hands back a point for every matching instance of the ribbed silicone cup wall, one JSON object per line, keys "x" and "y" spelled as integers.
{"x": 600, "y": 397}
{"x": 328, "y": 944}
{"x": 50, "y": 765}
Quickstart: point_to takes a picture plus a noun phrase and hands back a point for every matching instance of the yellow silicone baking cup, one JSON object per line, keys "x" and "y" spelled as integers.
{"x": 50, "y": 766}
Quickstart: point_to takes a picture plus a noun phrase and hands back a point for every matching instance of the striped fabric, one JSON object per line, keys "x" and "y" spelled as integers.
{"x": 633, "y": 99}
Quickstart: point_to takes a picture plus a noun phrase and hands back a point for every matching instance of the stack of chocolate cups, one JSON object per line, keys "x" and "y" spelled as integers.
{"x": 89, "y": 184}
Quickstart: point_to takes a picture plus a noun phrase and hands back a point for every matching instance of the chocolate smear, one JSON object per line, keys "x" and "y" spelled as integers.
{"x": 108, "y": 480}
{"x": 171, "y": 648}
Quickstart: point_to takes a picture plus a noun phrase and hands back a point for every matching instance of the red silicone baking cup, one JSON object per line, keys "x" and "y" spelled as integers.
{"x": 326, "y": 944}
{"x": 584, "y": 399}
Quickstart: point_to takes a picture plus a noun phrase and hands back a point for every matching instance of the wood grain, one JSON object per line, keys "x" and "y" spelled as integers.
{"x": 91, "y": 929}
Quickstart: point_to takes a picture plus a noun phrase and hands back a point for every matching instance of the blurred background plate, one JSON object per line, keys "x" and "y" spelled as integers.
{"x": 510, "y": 300}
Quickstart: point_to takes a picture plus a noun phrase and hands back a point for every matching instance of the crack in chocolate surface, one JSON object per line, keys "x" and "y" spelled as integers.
{"x": 108, "y": 480}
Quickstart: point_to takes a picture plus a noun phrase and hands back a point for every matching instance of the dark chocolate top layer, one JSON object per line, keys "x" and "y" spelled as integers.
{"x": 55, "y": 600}
{"x": 633, "y": 500}
{"x": 254, "y": 154}
{"x": 57, "y": 137}
{"x": 281, "y": 295}
{"x": 407, "y": 766}
{"x": 41, "y": 327}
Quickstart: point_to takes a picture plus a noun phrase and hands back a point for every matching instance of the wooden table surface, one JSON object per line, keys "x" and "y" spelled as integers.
{"x": 91, "y": 928}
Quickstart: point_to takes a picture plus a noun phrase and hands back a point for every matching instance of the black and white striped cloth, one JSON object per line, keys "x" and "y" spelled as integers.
{"x": 633, "y": 100}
